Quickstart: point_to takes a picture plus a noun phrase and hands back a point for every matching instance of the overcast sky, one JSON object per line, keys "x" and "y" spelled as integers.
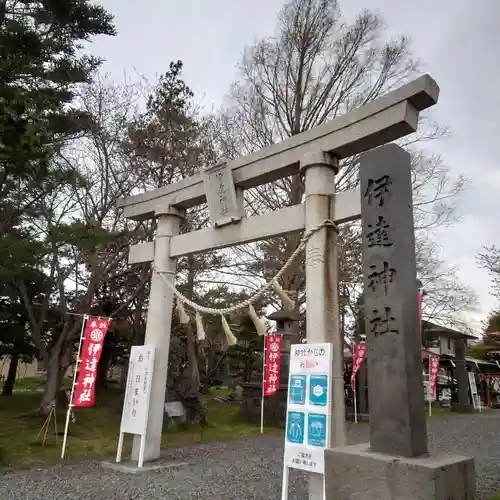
{"x": 458, "y": 42}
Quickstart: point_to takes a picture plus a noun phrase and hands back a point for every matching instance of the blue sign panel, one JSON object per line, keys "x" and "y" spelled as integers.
{"x": 316, "y": 429}
{"x": 297, "y": 390}
{"x": 295, "y": 427}
{"x": 318, "y": 390}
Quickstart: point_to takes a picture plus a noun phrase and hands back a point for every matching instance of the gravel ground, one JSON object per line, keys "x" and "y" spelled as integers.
{"x": 248, "y": 469}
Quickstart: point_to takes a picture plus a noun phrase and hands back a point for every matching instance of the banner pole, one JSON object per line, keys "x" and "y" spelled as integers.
{"x": 355, "y": 403}
{"x": 263, "y": 383}
{"x": 70, "y": 404}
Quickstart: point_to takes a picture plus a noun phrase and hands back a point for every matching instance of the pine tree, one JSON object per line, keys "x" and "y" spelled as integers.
{"x": 40, "y": 69}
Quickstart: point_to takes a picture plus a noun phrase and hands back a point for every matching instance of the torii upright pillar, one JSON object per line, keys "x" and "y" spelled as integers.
{"x": 322, "y": 287}
{"x": 158, "y": 328}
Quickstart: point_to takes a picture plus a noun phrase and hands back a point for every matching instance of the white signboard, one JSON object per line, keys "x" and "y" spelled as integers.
{"x": 308, "y": 408}
{"x": 135, "y": 406}
{"x": 473, "y": 391}
{"x": 137, "y": 396}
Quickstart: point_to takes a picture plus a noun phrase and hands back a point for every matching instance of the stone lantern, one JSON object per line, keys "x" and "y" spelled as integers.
{"x": 286, "y": 325}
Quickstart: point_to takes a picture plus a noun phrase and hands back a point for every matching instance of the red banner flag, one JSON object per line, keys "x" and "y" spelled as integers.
{"x": 359, "y": 356}
{"x": 272, "y": 364}
{"x": 433, "y": 376}
{"x": 93, "y": 340}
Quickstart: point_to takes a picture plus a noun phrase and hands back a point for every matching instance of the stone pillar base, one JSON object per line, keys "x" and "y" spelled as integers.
{"x": 462, "y": 408}
{"x": 356, "y": 473}
{"x": 362, "y": 417}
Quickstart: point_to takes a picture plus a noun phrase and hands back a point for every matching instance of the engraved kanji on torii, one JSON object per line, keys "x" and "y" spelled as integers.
{"x": 315, "y": 153}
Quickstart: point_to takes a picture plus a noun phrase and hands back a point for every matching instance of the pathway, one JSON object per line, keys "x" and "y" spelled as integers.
{"x": 248, "y": 469}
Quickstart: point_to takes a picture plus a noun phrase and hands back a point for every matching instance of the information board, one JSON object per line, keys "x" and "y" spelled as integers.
{"x": 476, "y": 402}
{"x": 308, "y": 409}
{"x": 137, "y": 394}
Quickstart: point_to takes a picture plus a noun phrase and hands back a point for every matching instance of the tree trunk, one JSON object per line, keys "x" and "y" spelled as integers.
{"x": 248, "y": 363}
{"x": 192, "y": 368}
{"x": 293, "y": 278}
{"x": 103, "y": 367}
{"x": 197, "y": 361}
{"x": 51, "y": 386}
{"x": 123, "y": 377}
{"x": 8, "y": 386}
{"x": 3, "y": 9}
{"x": 190, "y": 391}
{"x": 59, "y": 362}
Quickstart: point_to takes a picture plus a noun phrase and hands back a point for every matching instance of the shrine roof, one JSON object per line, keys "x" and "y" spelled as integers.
{"x": 434, "y": 330}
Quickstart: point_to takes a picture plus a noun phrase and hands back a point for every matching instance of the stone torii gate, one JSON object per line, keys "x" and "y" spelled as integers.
{"x": 315, "y": 154}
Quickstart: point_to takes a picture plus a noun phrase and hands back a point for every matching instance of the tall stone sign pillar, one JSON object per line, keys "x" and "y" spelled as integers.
{"x": 395, "y": 465}
{"x": 397, "y": 405}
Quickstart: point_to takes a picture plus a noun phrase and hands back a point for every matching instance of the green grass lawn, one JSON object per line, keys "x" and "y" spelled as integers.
{"x": 95, "y": 432}
{"x": 437, "y": 411}
{"x": 36, "y": 384}
{"x": 494, "y": 496}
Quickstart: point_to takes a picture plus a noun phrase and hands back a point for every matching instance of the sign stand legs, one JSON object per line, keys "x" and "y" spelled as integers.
{"x": 140, "y": 462}
{"x": 120, "y": 448}
{"x": 284, "y": 486}
{"x": 119, "y": 451}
